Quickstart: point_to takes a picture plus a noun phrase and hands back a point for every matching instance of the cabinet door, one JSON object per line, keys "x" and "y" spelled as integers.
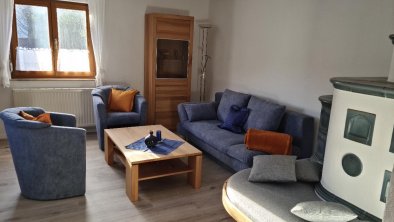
{"x": 169, "y": 93}
{"x": 167, "y": 28}
{"x": 168, "y": 64}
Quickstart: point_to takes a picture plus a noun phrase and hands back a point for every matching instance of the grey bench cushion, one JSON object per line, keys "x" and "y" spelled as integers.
{"x": 267, "y": 201}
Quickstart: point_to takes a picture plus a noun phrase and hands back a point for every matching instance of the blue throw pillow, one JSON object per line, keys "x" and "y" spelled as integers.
{"x": 228, "y": 99}
{"x": 235, "y": 119}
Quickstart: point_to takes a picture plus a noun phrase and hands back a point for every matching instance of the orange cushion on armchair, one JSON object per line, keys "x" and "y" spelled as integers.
{"x": 121, "y": 100}
{"x": 45, "y": 117}
{"x": 268, "y": 141}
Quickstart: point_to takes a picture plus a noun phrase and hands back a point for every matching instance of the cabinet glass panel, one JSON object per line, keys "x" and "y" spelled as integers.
{"x": 172, "y": 58}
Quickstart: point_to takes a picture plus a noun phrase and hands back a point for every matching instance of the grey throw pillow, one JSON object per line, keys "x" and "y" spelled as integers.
{"x": 229, "y": 99}
{"x": 273, "y": 168}
{"x": 307, "y": 170}
{"x": 200, "y": 111}
{"x": 321, "y": 211}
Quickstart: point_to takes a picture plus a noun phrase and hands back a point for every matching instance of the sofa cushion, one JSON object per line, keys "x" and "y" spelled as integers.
{"x": 222, "y": 139}
{"x": 273, "y": 168}
{"x": 199, "y": 128}
{"x": 267, "y": 201}
{"x": 235, "y": 119}
{"x": 200, "y": 111}
{"x": 210, "y": 133}
{"x": 264, "y": 115}
{"x": 240, "y": 153}
{"x": 228, "y": 99}
{"x": 118, "y": 119}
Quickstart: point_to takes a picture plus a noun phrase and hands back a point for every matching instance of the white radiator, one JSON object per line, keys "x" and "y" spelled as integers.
{"x": 77, "y": 101}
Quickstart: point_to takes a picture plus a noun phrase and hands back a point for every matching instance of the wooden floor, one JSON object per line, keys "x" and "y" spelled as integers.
{"x": 165, "y": 199}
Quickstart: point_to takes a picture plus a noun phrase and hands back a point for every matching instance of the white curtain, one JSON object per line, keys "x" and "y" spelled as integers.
{"x": 97, "y": 20}
{"x": 6, "y": 13}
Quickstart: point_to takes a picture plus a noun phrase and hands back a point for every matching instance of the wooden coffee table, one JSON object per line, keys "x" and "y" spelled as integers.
{"x": 146, "y": 165}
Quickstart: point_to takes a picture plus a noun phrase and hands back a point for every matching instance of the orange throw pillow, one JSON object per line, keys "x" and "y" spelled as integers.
{"x": 121, "y": 101}
{"x": 26, "y": 116}
{"x": 268, "y": 141}
{"x": 45, "y": 117}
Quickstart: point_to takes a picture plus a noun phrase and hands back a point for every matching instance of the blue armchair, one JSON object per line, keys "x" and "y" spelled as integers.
{"x": 50, "y": 160}
{"x": 106, "y": 120}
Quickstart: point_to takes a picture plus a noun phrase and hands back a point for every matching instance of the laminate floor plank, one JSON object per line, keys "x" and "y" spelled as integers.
{"x": 164, "y": 199}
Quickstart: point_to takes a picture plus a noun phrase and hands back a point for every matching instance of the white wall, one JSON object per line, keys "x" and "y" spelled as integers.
{"x": 287, "y": 50}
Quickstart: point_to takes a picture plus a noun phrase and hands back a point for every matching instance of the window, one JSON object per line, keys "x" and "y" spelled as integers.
{"x": 51, "y": 39}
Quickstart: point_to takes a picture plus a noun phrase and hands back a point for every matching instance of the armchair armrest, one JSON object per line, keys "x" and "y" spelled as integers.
{"x": 140, "y": 106}
{"x": 11, "y": 117}
{"x": 63, "y": 119}
{"x": 100, "y": 111}
{"x": 71, "y": 137}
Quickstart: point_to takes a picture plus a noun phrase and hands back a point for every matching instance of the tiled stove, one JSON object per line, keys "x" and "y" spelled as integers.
{"x": 359, "y": 153}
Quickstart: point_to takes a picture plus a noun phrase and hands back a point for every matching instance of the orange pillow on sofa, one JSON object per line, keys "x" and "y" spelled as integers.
{"x": 45, "y": 117}
{"x": 268, "y": 141}
{"x": 121, "y": 100}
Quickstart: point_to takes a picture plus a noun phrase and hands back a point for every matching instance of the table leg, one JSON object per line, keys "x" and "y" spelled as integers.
{"x": 108, "y": 149}
{"x": 194, "y": 178}
{"x": 132, "y": 182}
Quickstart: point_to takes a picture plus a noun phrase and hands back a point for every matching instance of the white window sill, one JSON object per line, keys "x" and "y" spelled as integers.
{"x": 53, "y": 83}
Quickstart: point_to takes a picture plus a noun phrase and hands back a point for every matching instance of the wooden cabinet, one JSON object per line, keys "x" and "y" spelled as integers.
{"x": 168, "y": 64}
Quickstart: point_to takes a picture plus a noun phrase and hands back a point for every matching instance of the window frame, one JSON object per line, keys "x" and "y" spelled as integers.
{"x": 52, "y": 5}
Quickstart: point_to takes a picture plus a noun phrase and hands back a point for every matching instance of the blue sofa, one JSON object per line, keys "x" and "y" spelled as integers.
{"x": 50, "y": 160}
{"x": 106, "y": 120}
{"x": 229, "y": 147}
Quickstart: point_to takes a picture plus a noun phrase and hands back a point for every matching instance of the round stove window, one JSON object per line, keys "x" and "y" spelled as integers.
{"x": 352, "y": 165}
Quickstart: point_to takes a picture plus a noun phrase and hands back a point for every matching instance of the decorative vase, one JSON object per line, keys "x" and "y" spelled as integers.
{"x": 150, "y": 140}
